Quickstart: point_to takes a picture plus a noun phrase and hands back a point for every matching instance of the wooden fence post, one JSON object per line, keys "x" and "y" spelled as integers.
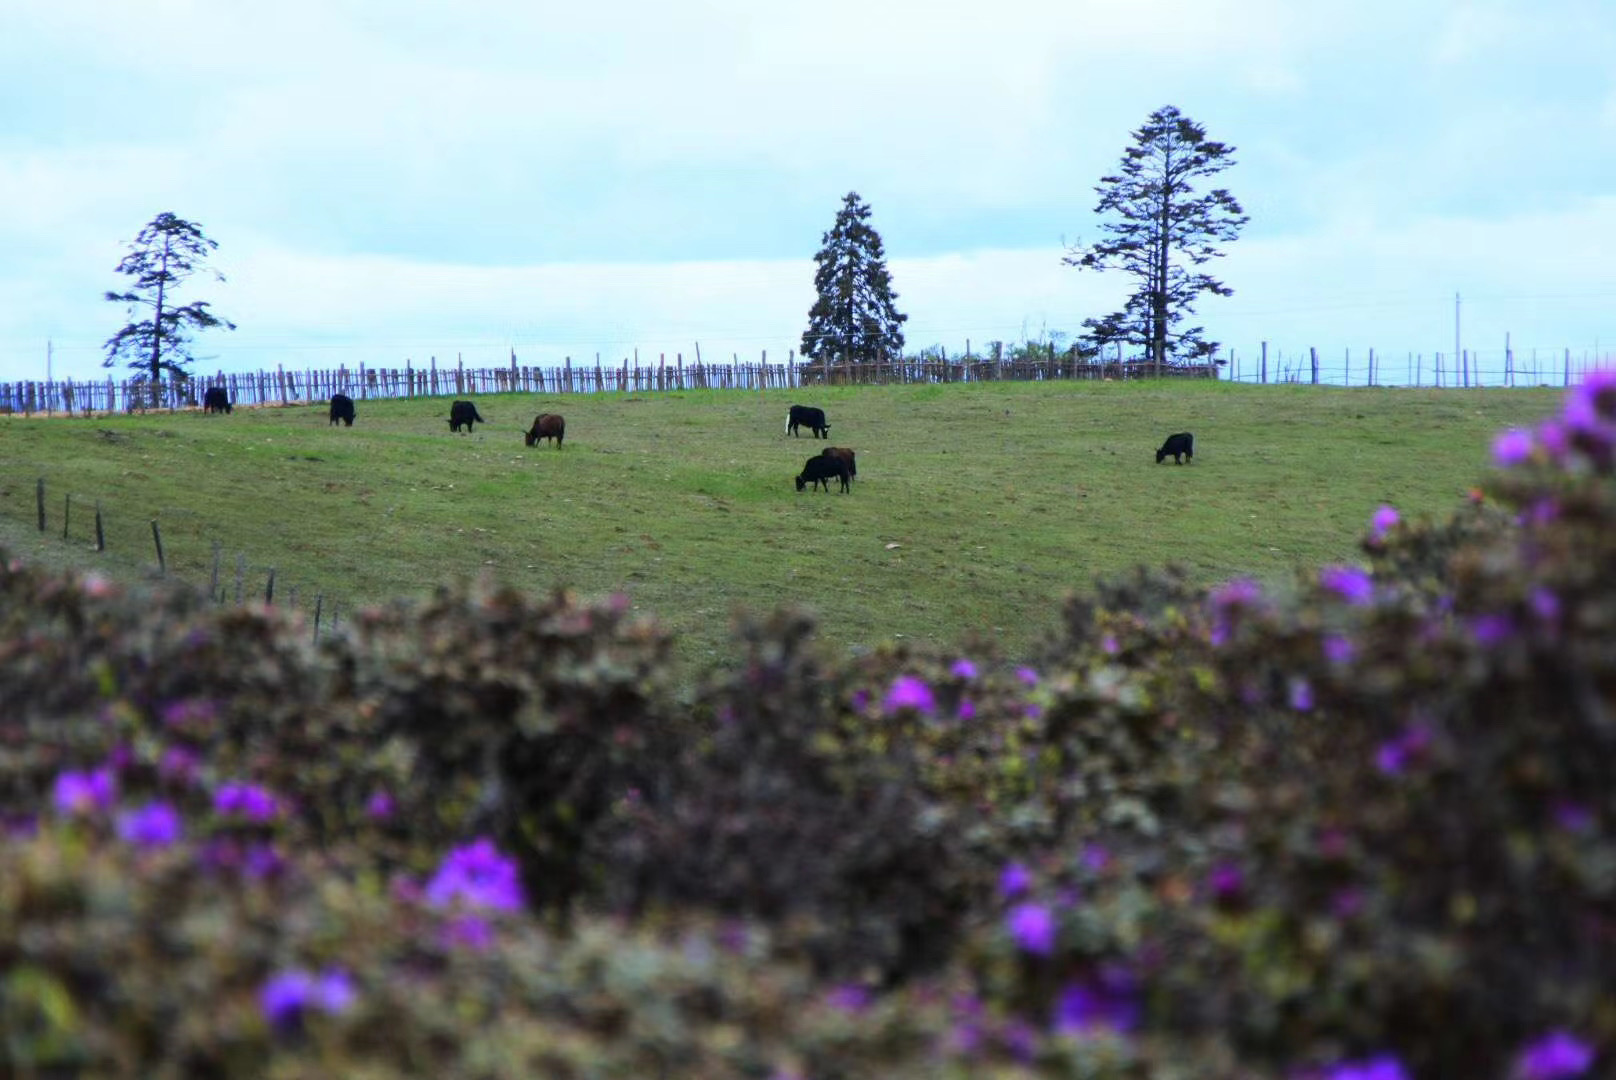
{"x": 100, "y": 537}
{"x": 67, "y": 512}
{"x": 39, "y": 497}
{"x": 157, "y": 538}
{"x": 269, "y": 589}
{"x": 319, "y": 604}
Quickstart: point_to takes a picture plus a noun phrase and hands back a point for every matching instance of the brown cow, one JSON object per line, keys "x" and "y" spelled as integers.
{"x": 547, "y": 425}
{"x": 845, "y": 454}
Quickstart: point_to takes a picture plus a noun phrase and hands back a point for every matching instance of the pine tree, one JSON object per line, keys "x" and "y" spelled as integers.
{"x": 854, "y": 319}
{"x": 1160, "y": 224}
{"x": 168, "y": 250}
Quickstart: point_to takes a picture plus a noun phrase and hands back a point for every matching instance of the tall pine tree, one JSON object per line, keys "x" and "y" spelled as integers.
{"x": 854, "y": 319}
{"x": 1161, "y": 230}
{"x": 168, "y": 250}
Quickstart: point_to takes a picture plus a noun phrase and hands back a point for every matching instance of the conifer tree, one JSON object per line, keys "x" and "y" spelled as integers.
{"x": 854, "y": 319}
{"x": 167, "y": 250}
{"x": 1161, "y": 230}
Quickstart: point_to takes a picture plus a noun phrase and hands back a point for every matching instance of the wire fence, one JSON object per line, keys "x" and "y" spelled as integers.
{"x": 237, "y": 581}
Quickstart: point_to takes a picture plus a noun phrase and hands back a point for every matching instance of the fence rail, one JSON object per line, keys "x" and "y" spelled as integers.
{"x": 310, "y": 385}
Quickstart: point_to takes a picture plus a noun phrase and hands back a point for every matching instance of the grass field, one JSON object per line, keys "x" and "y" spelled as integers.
{"x": 975, "y": 509}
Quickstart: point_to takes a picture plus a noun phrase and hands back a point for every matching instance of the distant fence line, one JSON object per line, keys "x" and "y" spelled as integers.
{"x": 309, "y": 385}
{"x": 1370, "y": 367}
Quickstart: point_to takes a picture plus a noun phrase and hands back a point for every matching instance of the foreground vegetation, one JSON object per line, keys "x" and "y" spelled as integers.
{"x": 1355, "y": 826}
{"x": 975, "y": 505}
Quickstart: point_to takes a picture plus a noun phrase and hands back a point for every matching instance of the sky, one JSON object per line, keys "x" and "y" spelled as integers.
{"x": 402, "y": 181}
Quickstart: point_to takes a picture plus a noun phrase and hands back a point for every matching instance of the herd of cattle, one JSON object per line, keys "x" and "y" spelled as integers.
{"x": 832, "y": 463}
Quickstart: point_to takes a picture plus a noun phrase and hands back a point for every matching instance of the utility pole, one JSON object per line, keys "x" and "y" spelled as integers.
{"x": 1456, "y": 353}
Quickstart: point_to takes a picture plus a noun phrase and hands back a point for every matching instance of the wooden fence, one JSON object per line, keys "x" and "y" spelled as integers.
{"x": 283, "y": 387}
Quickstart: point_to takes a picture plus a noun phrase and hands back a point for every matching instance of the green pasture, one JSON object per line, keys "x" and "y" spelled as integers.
{"x": 976, "y": 508}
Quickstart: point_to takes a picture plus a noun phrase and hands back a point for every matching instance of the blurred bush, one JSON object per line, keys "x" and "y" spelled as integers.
{"x": 1357, "y": 824}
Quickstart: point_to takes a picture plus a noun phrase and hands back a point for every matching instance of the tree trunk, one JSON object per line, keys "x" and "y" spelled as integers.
{"x": 157, "y": 328}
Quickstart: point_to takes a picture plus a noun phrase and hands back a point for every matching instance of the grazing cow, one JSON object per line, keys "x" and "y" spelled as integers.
{"x": 463, "y": 413}
{"x": 809, "y": 417}
{"x": 846, "y": 455}
{"x": 215, "y": 400}
{"x": 1181, "y": 446}
{"x": 547, "y": 425}
{"x": 342, "y": 409}
{"x": 820, "y": 470}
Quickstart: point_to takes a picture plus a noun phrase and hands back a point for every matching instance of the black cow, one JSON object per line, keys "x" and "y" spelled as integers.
{"x": 820, "y": 470}
{"x": 463, "y": 413}
{"x": 809, "y": 417}
{"x": 215, "y": 400}
{"x": 342, "y": 409}
{"x": 1181, "y": 446}
{"x": 547, "y": 425}
{"x": 846, "y": 455}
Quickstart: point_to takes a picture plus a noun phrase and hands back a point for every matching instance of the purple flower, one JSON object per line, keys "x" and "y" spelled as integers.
{"x": 1512, "y": 447}
{"x": 1557, "y": 1054}
{"x": 1227, "y": 882}
{"x": 468, "y": 932}
{"x": 1395, "y": 755}
{"x": 1555, "y": 440}
{"x": 380, "y": 806}
{"x": 82, "y": 792}
{"x": 849, "y": 997}
{"x": 1588, "y": 406}
{"x": 1109, "y": 645}
{"x": 289, "y": 995}
{"x": 262, "y": 861}
{"x": 1348, "y": 582}
{"x": 1032, "y": 710}
{"x": 477, "y": 875}
{"x": 247, "y": 801}
{"x": 1095, "y": 857}
{"x": 1383, "y": 1067}
{"x": 1545, "y": 604}
{"x": 1106, "y": 1003}
{"x": 1347, "y": 903}
{"x": 155, "y": 825}
{"x": 179, "y": 763}
{"x": 1492, "y": 629}
{"x": 1241, "y": 592}
{"x": 909, "y": 692}
{"x": 1301, "y": 695}
{"x": 861, "y": 698}
{"x": 1027, "y": 675}
{"x": 1573, "y": 817}
{"x": 1014, "y": 880}
{"x": 963, "y": 669}
{"x": 967, "y": 710}
{"x": 1033, "y": 927}
{"x": 1385, "y": 518}
{"x": 1338, "y": 648}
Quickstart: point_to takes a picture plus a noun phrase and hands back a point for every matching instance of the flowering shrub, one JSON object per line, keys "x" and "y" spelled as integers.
{"x": 1358, "y": 826}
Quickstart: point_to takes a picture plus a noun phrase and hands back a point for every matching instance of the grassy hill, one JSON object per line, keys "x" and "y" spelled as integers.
{"x": 975, "y": 509}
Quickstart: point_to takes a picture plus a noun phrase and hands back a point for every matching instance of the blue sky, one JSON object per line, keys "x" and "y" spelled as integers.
{"x": 405, "y": 180}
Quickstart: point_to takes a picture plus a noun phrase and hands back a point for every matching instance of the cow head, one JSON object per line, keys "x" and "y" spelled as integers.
{"x": 801, "y": 483}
